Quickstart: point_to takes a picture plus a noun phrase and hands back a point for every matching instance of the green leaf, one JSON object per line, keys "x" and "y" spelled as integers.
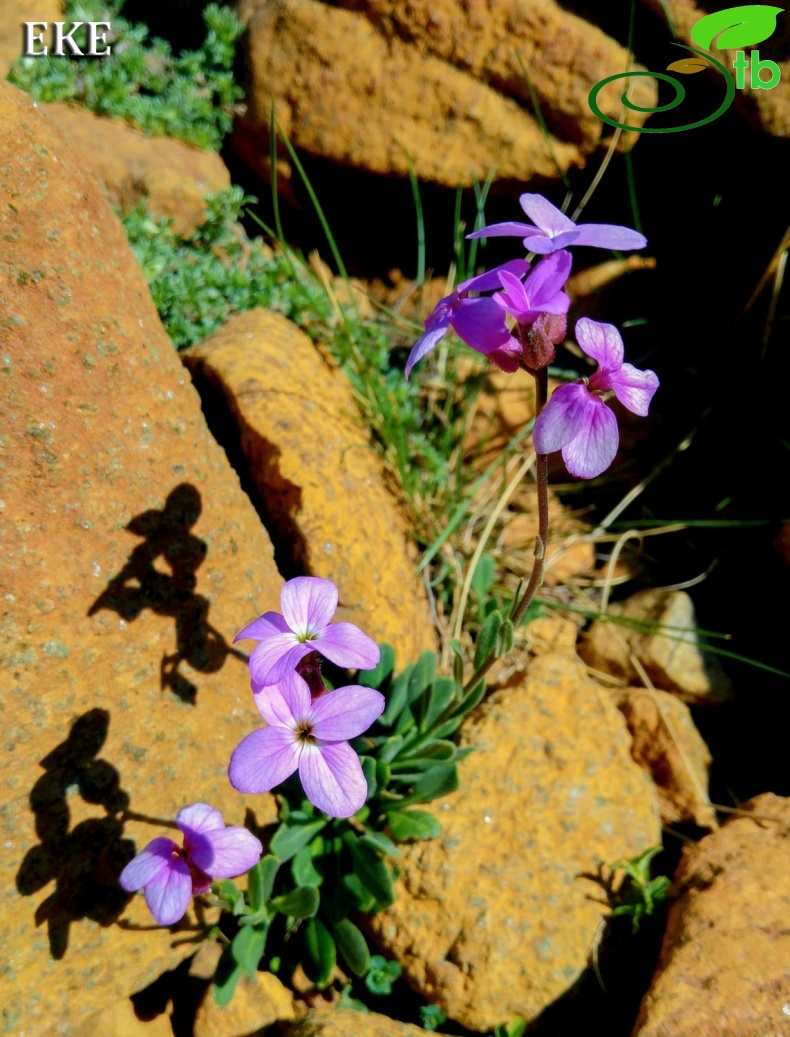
{"x": 371, "y": 870}
{"x": 260, "y": 881}
{"x": 352, "y": 945}
{"x": 397, "y": 697}
{"x": 231, "y": 893}
{"x": 320, "y": 952}
{"x": 381, "y": 842}
{"x": 376, "y": 677}
{"x": 304, "y": 870}
{"x": 505, "y": 638}
{"x": 301, "y": 902}
{"x": 361, "y": 898}
{"x": 448, "y": 727}
{"x": 390, "y": 749}
{"x": 487, "y": 639}
{"x": 422, "y": 675}
{"x": 382, "y": 774}
{"x": 736, "y": 26}
{"x": 413, "y": 824}
{"x": 435, "y": 749}
{"x": 438, "y": 781}
{"x": 405, "y": 721}
{"x": 474, "y": 698}
{"x": 228, "y": 974}
{"x": 483, "y": 578}
{"x": 248, "y": 946}
{"x": 369, "y": 770}
{"x": 441, "y": 695}
{"x": 290, "y": 838}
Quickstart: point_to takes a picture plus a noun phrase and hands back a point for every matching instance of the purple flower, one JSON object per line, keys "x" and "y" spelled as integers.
{"x": 308, "y": 604}
{"x": 311, "y": 736}
{"x": 479, "y": 321}
{"x": 553, "y": 230}
{"x": 576, "y": 420}
{"x": 540, "y": 293}
{"x": 170, "y": 875}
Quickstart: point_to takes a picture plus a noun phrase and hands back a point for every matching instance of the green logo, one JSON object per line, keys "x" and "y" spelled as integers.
{"x": 735, "y": 27}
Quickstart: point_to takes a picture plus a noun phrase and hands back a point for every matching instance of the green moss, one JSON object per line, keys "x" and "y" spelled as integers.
{"x": 191, "y": 95}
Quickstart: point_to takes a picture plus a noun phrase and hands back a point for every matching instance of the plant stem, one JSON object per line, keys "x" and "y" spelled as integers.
{"x": 541, "y": 377}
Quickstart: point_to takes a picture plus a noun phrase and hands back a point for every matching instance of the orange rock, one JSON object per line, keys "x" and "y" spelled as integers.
{"x": 130, "y": 559}
{"x": 173, "y": 177}
{"x": 12, "y": 14}
{"x": 343, "y": 1022}
{"x": 330, "y": 74}
{"x": 257, "y": 1003}
{"x": 315, "y": 470}
{"x": 492, "y": 920}
{"x": 120, "y": 1020}
{"x": 673, "y": 753}
{"x": 724, "y": 965}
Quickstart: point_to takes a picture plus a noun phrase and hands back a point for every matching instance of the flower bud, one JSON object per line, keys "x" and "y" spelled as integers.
{"x": 541, "y": 338}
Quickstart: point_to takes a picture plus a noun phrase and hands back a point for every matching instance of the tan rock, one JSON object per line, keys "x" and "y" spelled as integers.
{"x": 121, "y": 1020}
{"x": 330, "y": 74}
{"x": 344, "y": 1022}
{"x": 516, "y": 44}
{"x": 313, "y": 465}
{"x": 724, "y": 969}
{"x": 12, "y": 14}
{"x": 666, "y": 646}
{"x": 494, "y": 919}
{"x": 767, "y": 109}
{"x": 672, "y": 751}
{"x": 130, "y": 558}
{"x": 173, "y": 177}
{"x": 256, "y": 1004}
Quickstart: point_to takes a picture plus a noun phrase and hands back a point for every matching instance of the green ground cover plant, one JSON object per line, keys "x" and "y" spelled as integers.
{"x": 191, "y": 95}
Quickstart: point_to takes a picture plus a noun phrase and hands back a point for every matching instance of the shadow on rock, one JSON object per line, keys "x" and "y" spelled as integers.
{"x": 141, "y": 585}
{"x": 84, "y": 862}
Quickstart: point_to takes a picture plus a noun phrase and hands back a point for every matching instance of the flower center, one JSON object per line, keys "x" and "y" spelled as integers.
{"x": 304, "y": 734}
{"x": 308, "y": 635}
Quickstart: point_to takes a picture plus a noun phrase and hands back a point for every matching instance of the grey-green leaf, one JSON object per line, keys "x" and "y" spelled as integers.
{"x": 289, "y": 839}
{"x": 375, "y": 677}
{"x": 301, "y": 902}
{"x": 352, "y": 945}
{"x": 321, "y": 953}
{"x": 487, "y": 639}
{"x": 413, "y": 824}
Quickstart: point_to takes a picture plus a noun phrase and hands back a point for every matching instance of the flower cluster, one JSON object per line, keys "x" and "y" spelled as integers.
{"x": 308, "y": 726}
{"x": 576, "y": 419}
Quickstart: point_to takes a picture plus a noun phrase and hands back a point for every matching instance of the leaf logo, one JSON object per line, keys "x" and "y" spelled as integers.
{"x": 736, "y": 26}
{"x": 688, "y": 66}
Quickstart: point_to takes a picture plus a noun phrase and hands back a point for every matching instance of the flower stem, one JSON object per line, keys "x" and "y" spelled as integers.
{"x": 541, "y": 377}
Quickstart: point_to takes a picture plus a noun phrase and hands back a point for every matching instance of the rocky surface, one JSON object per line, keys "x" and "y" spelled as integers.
{"x": 670, "y": 748}
{"x": 297, "y": 424}
{"x": 659, "y": 632}
{"x": 724, "y": 969}
{"x": 130, "y": 558}
{"x": 173, "y": 177}
{"x": 121, "y": 1020}
{"x": 496, "y": 918}
{"x": 12, "y": 14}
{"x": 461, "y": 107}
{"x": 343, "y": 1022}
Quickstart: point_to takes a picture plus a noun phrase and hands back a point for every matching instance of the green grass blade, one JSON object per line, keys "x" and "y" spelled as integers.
{"x": 415, "y": 191}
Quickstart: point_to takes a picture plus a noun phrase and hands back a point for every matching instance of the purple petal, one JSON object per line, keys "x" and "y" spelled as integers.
{"x": 481, "y": 324}
{"x": 308, "y": 603}
{"x": 346, "y": 645}
{"x": 508, "y": 358}
{"x": 425, "y": 343}
{"x": 332, "y": 778}
{"x": 169, "y": 893}
{"x": 503, "y": 230}
{"x": 635, "y": 388}
{"x": 547, "y": 281}
{"x": 226, "y": 852}
{"x": 263, "y": 759}
{"x": 286, "y": 704}
{"x": 603, "y": 235}
{"x": 346, "y": 712}
{"x": 593, "y": 449}
{"x": 148, "y": 864}
{"x": 540, "y": 244}
{"x": 267, "y": 625}
{"x": 199, "y": 817}
{"x": 275, "y": 657}
{"x": 563, "y": 417}
{"x": 603, "y": 343}
{"x": 545, "y": 215}
{"x": 490, "y": 280}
